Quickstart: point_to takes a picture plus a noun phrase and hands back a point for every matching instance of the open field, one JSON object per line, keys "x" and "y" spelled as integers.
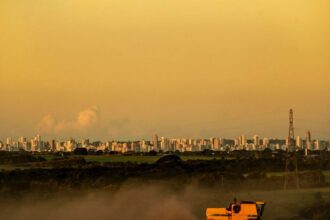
{"x": 192, "y": 186}
{"x": 279, "y": 203}
{"x": 158, "y": 201}
{"x": 326, "y": 174}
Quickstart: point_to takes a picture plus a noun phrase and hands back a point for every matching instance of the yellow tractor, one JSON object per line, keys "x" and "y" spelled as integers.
{"x": 244, "y": 210}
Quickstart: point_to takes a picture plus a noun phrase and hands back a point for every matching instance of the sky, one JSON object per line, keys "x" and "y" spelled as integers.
{"x": 126, "y": 69}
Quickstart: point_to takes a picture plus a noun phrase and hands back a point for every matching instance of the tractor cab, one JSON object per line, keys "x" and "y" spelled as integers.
{"x": 244, "y": 210}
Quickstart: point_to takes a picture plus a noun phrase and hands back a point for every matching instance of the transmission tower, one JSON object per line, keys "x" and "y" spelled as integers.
{"x": 291, "y": 142}
{"x": 291, "y": 157}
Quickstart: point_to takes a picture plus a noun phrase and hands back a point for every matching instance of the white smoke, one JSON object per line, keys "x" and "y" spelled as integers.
{"x": 86, "y": 119}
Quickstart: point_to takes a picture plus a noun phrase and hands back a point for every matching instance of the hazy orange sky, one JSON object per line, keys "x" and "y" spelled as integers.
{"x": 125, "y": 69}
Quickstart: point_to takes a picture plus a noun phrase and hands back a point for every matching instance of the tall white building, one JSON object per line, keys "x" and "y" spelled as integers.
{"x": 165, "y": 144}
{"x": 242, "y": 140}
{"x": 265, "y": 142}
{"x": 299, "y": 142}
{"x": 256, "y": 140}
{"x": 308, "y": 140}
{"x": 155, "y": 141}
{"x": 143, "y": 146}
{"x": 9, "y": 141}
{"x": 316, "y": 145}
{"x": 70, "y": 145}
{"x": 34, "y": 145}
{"x": 38, "y": 138}
{"x": 216, "y": 144}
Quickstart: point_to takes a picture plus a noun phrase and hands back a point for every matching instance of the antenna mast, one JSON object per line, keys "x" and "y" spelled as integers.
{"x": 291, "y": 159}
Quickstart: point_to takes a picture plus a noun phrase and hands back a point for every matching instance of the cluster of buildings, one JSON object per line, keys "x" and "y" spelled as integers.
{"x": 162, "y": 144}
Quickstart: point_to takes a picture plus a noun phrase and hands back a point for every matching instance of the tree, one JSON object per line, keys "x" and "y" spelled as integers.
{"x": 80, "y": 151}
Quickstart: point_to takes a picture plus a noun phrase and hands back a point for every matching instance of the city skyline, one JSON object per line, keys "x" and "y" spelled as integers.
{"x": 154, "y": 139}
{"x": 125, "y": 70}
{"x": 165, "y": 144}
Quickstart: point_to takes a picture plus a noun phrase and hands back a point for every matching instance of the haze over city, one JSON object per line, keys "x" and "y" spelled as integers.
{"x": 129, "y": 69}
{"x": 165, "y": 109}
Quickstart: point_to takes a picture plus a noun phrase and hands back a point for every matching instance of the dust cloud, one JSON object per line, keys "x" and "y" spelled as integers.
{"x": 140, "y": 202}
{"x": 145, "y": 201}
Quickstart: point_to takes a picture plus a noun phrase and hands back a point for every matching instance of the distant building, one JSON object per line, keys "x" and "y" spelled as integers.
{"x": 155, "y": 141}
{"x": 242, "y": 141}
{"x": 165, "y": 144}
{"x": 265, "y": 142}
{"x": 34, "y": 144}
{"x": 299, "y": 142}
{"x": 308, "y": 140}
{"x": 256, "y": 140}
{"x": 9, "y": 141}
{"x": 124, "y": 148}
{"x": 236, "y": 142}
{"x": 316, "y": 145}
{"x": 70, "y": 145}
{"x": 53, "y": 145}
{"x": 216, "y": 144}
{"x": 38, "y": 138}
{"x": 85, "y": 143}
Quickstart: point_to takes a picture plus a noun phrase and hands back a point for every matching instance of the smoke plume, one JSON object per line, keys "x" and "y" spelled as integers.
{"x": 85, "y": 120}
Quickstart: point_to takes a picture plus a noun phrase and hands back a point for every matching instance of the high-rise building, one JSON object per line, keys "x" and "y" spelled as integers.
{"x": 237, "y": 141}
{"x": 256, "y": 140}
{"x": 9, "y": 141}
{"x": 34, "y": 145}
{"x": 21, "y": 140}
{"x": 22, "y": 143}
{"x": 243, "y": 140}
{"x": 85, "y": 143}
{"x": 70, "y": 145}
{"x": 216, "y": 144}
{"x": 124, "y": 148}
{"x": 316, "y": 145}
{"x": 133, "y": 146}
{"x": 222, "y": 142}
{"x": 38, "y": 138}
{"x": 212, "y": 143}
{"x": 143, "y": 146}
{"x": 155, "y": 141}
{"x": 165, "y": 144}
{"x": 265, "y": 142}
{"x": 308, "y": 140}
{"x": 299, "y": 142}
{"x": 53, "y": 145}
{"x": 59, "y": 146}
{"x": 287, "y": 142}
